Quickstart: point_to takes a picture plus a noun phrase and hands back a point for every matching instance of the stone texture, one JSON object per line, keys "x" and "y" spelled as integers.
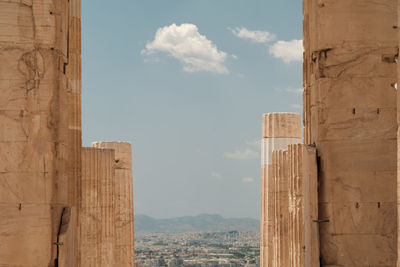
{"x": 281, "y": 125}
{"x": 296, "y": 203}
{"x": 351, "y": 49}
{"x": 290, "y": 234}
{"x": 303, "y": 206}
{"x": 72, "y": 69}
{"x": 124, "y": 228}
{"x": 279, "y": 130}
{"x": 282, "y": 207}
{"x": 39, "y": 131}
{"x": 310, "y": 205}
{"x": 96, "y": 216}
{"x": 398, "y": 143}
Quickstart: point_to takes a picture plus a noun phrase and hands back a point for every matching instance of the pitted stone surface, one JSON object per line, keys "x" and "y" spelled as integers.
{"x": 350, "y": 110}
{"x": 39, "y": 155}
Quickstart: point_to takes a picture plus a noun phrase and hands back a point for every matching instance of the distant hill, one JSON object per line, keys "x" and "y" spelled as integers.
{"x": 202, "y": 222}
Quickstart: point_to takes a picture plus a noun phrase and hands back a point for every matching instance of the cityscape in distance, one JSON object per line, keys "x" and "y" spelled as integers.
{"x": 196, "y": 241}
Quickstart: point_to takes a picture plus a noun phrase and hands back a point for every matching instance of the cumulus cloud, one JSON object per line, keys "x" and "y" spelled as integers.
{"x": 255, "y": 36}
{"x": 216, "y": 175}
{"x": 288, "y": 51}
{"x": 247, "y": 180}
{"x": 193, "y": 50}
{"x": 245, "y": 154}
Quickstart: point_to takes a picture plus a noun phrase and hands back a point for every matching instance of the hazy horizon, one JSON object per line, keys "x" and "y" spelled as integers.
{"x": 210, "y": 214}
{"x": 186, "y": 82}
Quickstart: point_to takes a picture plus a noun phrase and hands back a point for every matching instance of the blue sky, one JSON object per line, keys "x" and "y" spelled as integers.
{"x": 186, "y": 82}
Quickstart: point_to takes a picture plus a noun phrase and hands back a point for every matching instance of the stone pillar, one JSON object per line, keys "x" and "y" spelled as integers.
{"x": 350, "y": 56}
{"x": 96, "y": 216}
{"x": 279, "y": 130}
{"x": 273, "y": 227}
{"x": 73, "y": 79}
{"x": 124, "y": 234}
{"x": 309, "y": 174}
{"x": 397, "y": 85}
{"x": 281, "y": 200}
{"x": 38, "y": 156}
{"x": 296, "y": 204}
{"x": 303, "y": 207}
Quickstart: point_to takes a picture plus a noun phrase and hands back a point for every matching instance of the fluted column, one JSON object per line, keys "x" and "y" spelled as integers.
{"x": 124, "y": 231}
{"x": 279, "y": 130}
{"x": 309, "y": 186}
{"x": 296, "y": 205}
{"x": 281, "y": 207}
{"x": 303, "y": 206}
{"x": 72, "y": 69}
{"x": 96, "y": 216}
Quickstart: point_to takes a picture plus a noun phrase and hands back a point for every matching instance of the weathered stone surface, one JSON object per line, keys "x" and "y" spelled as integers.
{"x": 290, "y": 233}
{"x": 96, "y": 216}
{"x": 39, "y": 130}
{"x": 282, "y": 214}
{"x": 310, "y": 206}
{"x": 20, "y": 229}
{"x": 303, "y": 206}
{"x": 296, "y": 204}
{"x": 279, "y": 131}
{"x": 281, "y": 125}
{"x": 350, "y": 108}
{"x": 265, "y": 240}
{"x": 73, "y": 75}
{"x": 124, "y": 234}
{"x": 398, "y": 143}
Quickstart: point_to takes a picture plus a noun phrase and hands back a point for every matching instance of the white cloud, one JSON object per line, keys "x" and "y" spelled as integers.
{"x": 294, "y": 90}
{"x": 288, "y": 51}
{"x": 216, "y": 175}
{"x": 234, "y": 56}
{"x": 193, "y": 50}
{"x": 255, "y": 36}
{"x": 246, "y": 154}
{"x": 256, "y": 143}
{"x": 247, "y": 180}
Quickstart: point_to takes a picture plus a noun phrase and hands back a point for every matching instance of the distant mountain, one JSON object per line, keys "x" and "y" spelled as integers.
{"x": 202, "y": 222}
